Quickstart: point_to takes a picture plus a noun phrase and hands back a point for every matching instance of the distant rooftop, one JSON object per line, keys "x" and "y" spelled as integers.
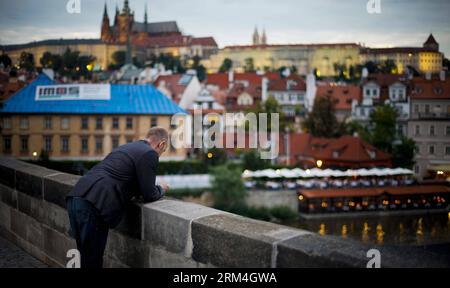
{"x": 125, "y": 99}
{"x": 51, "y": 42}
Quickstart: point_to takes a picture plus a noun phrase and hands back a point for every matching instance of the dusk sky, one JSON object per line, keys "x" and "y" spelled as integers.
{"x": 401, "y": 22}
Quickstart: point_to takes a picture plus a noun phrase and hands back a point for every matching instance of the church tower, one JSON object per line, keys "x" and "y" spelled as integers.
{"x": 106, "y": 35}
{"x": 145, "y": 20}
{"x": 117, "y": 15}
{"x": 431, "y": 44}
{"x": 125, "y": 22}
{"x": 264, "y": 38}
{"x": 256, "y": 37}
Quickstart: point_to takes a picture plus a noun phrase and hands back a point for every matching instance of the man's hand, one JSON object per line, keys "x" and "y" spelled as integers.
{"x": 164, "y": 186}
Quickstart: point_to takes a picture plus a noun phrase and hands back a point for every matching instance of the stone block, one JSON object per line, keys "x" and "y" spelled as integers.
{"x": 168, "y": 223}
{"x": 233, "y": 241}
{"x": 8, "y": 195}
{"x": 56, "y": 187}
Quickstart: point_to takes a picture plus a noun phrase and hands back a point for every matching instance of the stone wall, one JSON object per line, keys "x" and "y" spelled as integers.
{"x": 169, "y": 233}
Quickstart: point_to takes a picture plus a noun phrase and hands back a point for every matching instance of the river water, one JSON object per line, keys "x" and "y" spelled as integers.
{"x": 414, "y": 230}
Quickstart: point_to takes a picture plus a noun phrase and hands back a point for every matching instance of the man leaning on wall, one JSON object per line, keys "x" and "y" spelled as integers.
{"x": 97, "y": 202}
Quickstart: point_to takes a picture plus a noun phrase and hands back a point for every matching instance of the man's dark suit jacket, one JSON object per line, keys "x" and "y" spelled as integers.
{"x": 128, "y": 171}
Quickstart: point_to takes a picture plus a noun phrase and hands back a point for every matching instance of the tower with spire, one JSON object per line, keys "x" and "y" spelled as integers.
{"x": 125, "y": 22}
{"x": 431, "y": 43}
{"x": 145, "y": 19}
{"x": 256, "y": 37}
{"x": 105, "y": 34}
{"x": 264, "y": 38}
{"x": 117, "y": 14}
{"x": 259, "y": 40}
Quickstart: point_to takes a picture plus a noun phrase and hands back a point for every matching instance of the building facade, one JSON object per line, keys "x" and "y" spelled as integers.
{"x": 304, "y": 57}
{"x": 82, "y": 129}
{"x": 425, "y": 59}
{"x": 429, "y": 126}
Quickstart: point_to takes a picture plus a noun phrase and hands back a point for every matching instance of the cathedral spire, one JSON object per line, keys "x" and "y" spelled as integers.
{"x": 117, "y": 14}
{"x": 145, "y": 18}
{"x": 264, "y": 38}
{"x": 126, "y": 8}
{"x": 105, "y": 12}
{"x": 256, "y": 36}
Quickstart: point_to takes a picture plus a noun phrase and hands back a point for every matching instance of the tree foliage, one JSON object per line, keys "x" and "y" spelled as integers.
{"x": 322, "y": 121}
{"x": 226, "y": 66}
{"x": 227, "y": 188}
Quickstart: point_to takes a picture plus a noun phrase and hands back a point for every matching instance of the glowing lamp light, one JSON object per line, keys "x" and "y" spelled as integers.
{"x": 440, "y": 172}
{"x": 210, "y": 155}
{"x": 319, "y": 163}
{"x": 34, "y": 154}
{"x": 89, "y": 67}
{"x": 301, "y": 199}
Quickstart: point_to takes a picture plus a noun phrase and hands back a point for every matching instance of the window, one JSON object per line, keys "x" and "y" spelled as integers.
{"x": 98, "y": 144}
{"x": 417, "y": 169}
{"x": 427, "y": 108}
{"x": 99, "y": 123}
{"x": 431, "y": 149}
{"x": 84, "y": 123}
{"x": 23, "y": 144}
{"x": 7, "y": 123}
{"x": 48, "y": 122}
{"x": 24, "y": 123}
{"x": 115, "y": 123}
{"x": 374, "y": 92}
{"x": 447, "y": 131}
{"x": 417, "y": 130}
{"x": 129, "y": 139}
{"x": 7, "y": 144}
{"x": 48, "y": 143}
{"x": 129, "y": 123}
{"x": 416, "y": 108}
{"x": 65, "y": 123}
{"x": 432, "y": 130}
{"x": 84, "y": 144}
{"x": 153, "y": 122}
{"x": 447, "y": 150}
{"x": 115, "y": 142}
{"x": 367, "y": 92}
{"x": 64, "y": 144}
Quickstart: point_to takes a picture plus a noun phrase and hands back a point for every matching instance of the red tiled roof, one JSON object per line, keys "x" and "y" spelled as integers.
{"x": 163, "y": 41}
{"x": 253, "y": 90}
{"x": 221, "y": 79}
{"x": 204, "y": 41}
{"x": 344, "y": 151}
{"x": 430, "y": 89}
{"x": 395, "y": 50}
{"x": 344, "y": 95}
{"x": 172, "y": 41}
{"x": 375, "y": 191}
{"x": 218, "y": 79}
{"x": 280, "y": 84}
{"x": 171, "y": 83}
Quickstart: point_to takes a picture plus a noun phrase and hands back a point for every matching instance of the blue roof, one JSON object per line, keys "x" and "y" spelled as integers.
{"x": 125, "y": 99}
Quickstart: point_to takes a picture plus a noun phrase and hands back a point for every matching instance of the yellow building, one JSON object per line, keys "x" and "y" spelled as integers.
{"x": 305, "y": 57}
{"x": 101, "y": 51}
{"x": 426, "y": 59}
{"x": 84, "y": 129}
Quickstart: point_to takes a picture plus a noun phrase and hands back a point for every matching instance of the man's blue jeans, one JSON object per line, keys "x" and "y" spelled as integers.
{"x": 89, "y": 231}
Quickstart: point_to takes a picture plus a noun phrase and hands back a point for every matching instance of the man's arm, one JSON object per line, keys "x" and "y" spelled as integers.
{"x": 146, "y": 176}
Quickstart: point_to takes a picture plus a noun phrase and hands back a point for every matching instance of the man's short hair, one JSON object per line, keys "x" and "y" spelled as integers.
{"x": 157, "y": 134}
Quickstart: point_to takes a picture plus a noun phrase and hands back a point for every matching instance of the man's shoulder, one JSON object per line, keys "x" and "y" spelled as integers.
{"x": 136, "y": 149}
